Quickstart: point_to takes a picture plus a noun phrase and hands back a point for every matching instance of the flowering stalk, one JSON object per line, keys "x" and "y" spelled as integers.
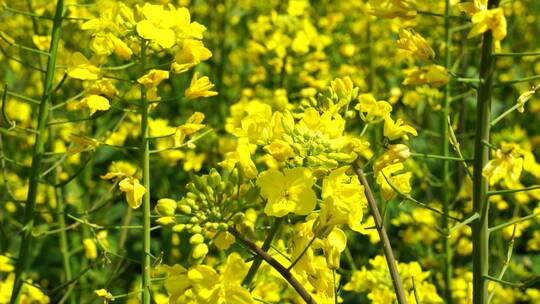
{"x": 388, "y": 253}
{"x": 480, "y": 232}
{"x": 285, "y": 273}
{"x": 145, "y": 164}
{"x": 37, "y": 156}
{"x": 447, "y": 271}
{"x": 265, "y": 246}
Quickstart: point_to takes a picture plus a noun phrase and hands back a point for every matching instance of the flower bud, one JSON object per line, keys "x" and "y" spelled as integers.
{"x": 199, "y": 251}
{"x": 196, "y": 239}
{"x": 166, "y": 207}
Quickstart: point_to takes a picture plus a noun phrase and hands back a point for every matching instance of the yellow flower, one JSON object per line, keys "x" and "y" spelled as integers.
{"x": 199, "y": 87}
{"x": 279, "y": 149}
{"x": 372, "y": 110}
{"x": 192, "y": 125}
{"x": 121, "y": 49}
{"x": 415, "y": 43}
{"x": 400, "y": 181}
{"x": 80, "y": 67}
{"x": 134, "y": 191}
{"x": 119, "y": 170}
{"x": 224, "y": 240}
{"x": 90, "y": 250}
{"x": 177, "y": 282}
{"x": 5, "y": 265}
{"x": 507, "y": 165}
{"x": 393, "y": 8}
{"x": 241, "y": 156}
{"x": 525, "y": 96}
{"x": 395, "y": 130}
{"x": 435, "y": 75}
{"x": 104, "y": 294}
{"x": 344, "y": 200}
{"x": 82, "y": 143}
{"x": 287, "y": 192}
{"x": 192, "y": 53}
{"x": 42, "y": 42}
{"x": 153, "y": 78}
{"x": 156, "y": 25}
{"x": 344, "y": 88}
{"x": 333, "y": 245}
{"x": 102, "y": 87}
{"x": 94, "y": 103}
{"x": 491, "y": 19}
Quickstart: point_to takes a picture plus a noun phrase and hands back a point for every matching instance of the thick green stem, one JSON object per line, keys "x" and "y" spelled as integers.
{"x": 265, "y": 246}
{"x": 447, "y": 270}
{"x": 145, "y": 164}
{"x": 64, "y": 246}
{"x": 480, "y": 184}
{"x": 37, "y": 157}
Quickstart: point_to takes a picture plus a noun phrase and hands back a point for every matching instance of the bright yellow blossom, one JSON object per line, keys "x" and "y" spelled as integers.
{"x": 94, "y": 103}
{"x": 90, "y": 250}
{"x": 434, "y": 75}
{"x": 134, "y": 191}
{"x": 415, "y": 43}
{"x": 287, "y": 192}
{"x": 153, "y": 78}
{"x": 81, "y": 68}
{"x": 397, "y": 129}
{"x": 507, "y": 165}
{"x": 200, "y": 87}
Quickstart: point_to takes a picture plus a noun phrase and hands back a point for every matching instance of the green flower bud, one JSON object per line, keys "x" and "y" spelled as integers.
{"x": 200, "y": 183}
{"x": 184, "y": 209}
{"x": 239, "y": 218}
{"x": 166, "y": 221}
{"x": 178, "y": 227}
{"x": 199, "y": 251}
{"x": 214, "y": 179}
{"x": 166, "y": 207}
{"x": 341, "y": 157}
{"x": 195, "y": 229}
{"x": 196, "y": 239}
{"x": 233, "y": 177}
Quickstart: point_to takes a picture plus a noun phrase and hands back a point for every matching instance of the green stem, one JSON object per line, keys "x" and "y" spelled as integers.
{"x": 509, "y": 191}
{"x": 505, "y": 113}
{"x": 442, "y": 157}
{"x": 145, "y": 164}
{"x": 37, "y": 157}
{"x": 519, "y": 80}
{"x": 445, "y": 174}
{"x": 522, "y": 54}
{"x": 505, "y": 264}
{"x": 513, "y": 222}
{"x": 265, "y": 246}
{"x": 480, "y": 229}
